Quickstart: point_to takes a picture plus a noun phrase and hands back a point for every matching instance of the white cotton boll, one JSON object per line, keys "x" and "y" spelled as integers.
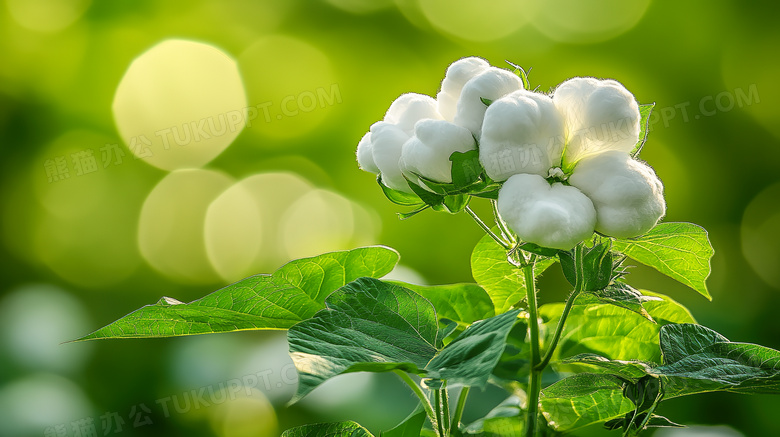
{"x": 428, "y": 152}
{"x": 365, "y": 154}
{"x": 556, "y": 216}
{"x": 410, "y": 108}
{"x": 522, "y": 133}
{"x": 458, "y": 73}
{"x": 491, "y": 84}
{"x": 599, "y": 115}
{"x": 628, "y": 196}
{"x": 387, "y": 141}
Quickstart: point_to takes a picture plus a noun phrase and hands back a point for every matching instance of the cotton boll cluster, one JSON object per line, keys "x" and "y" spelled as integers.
{"x": 561, "y": 165}
{"x": 419, "y": 133}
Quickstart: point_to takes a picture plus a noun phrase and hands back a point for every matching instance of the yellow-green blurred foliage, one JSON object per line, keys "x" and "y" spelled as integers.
{"x": 120, "y": 230}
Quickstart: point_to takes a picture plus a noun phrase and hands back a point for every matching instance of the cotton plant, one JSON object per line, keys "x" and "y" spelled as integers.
{"x": 562, "y": 174}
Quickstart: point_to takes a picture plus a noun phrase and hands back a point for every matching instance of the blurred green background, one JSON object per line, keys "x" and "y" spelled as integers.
{"x": 77, "y": 252}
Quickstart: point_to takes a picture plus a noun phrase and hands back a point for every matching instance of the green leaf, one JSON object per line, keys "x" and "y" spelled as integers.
{"x": 628, "y": 370}
{"x": 644, "y": 125}
{"x": 409, "y": 427}
{"x": 537, "y": 249}
{"x": 583, "y": 399}
{"x": 369, "y": 325}
{"x": 399, "y": 197}
{"x": 466, "y": 168}
{"x": 486, "y": 102}
{"x": 506, "y": 419}
{"x": 502, "y": 281}
{"x": 622, "y": 295}
{"x": 681, "y": 340}
{"x": 462, "y": 303}
{"x": 292, "y": 293}
{"x": 679, "y": 250}
{"x": 611, "y": 331}
{"x": 336, "y": 429}
{"x": 471, "y": 357}
{"x": 432, "y": 199}
{"x": 410, "y": 214}
{"x": 456, "y": 203}
{"x": 522, "y": 74}
{"x": 698, "y": 359}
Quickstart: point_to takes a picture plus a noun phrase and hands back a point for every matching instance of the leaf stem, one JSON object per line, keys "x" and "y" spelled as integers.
{"x": 506, "y": 245}
{"x": 464, "y": 393}
{"x": 506, "y": 233}
{"x": 439, "y": 419}
{"x": 426, "y": 403}
{"x": 535, "y": 377}
{"x": 558, "y": 331}
{"x": 445, "y": 409}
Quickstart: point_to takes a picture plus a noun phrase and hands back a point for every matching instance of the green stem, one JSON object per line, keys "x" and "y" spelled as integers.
{"x": 506, "y": 245}
{"x": 535, "y": 378}
{"x": 578, "y": 288}
{"x": 439, "y": 419}
{"x": 502, "y": 224}
{"x": 426, "y": 403}
{"x": 455, "y": 424}
{"x": 445, "y": 409}
{"x": 558, "y": 330}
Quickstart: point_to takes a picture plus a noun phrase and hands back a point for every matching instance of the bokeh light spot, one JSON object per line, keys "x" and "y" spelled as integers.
{"x": 476, "y": 21}
{"x": 360, "y": 6}
{"x": 85, "y": 222}
{"x": 245, "y": 416}
{"x": 760, "y": 239}
{"x": 263, "y": 249}
{"x": 233, "y": 232}
{"x": 180, "y": 104}
{"x": 323, "y": 221}
{"x": 35, "y": 320}
{"x": 170, "y": 230}
{"x": 47, "y": 15}
{"x": 30, "y": 405}
{"x": 291, "y": 86}
{"x": 575, "y": 21}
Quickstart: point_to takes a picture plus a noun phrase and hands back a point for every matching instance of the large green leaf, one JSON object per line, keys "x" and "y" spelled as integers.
{"x": 611, "y": 331}
{"x": 631, "y": 371}
{"x": 335, "y": 429}
{"x": 583, "y": 399}
{"x": 506, "y": 419}
{"x": 471, "y": 357}
{"x": 622, "y": 295}
{"x": 679, "y": 250}
{"x": 409, "y": 427}
{"x": 502, "y": 281}
{"x": 462, "y": 303}
{"x": 698, "y": 359}
{"x": 277, "y": 301}
{"x": 377, "y": 326}
{"x": 369, "y": 325}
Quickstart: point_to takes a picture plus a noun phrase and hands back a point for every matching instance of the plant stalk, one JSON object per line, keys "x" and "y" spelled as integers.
{"x": 558, "y": 331}
{"x": 445, "y": 410}
{"x": 578, "y": 288}
{"x": 455, "y": 424}
{"x": 426, "y": 403}
{"x": 439, "y": 413}
{"x": 506, "y": 245}
{"x": 535, "y": 377}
